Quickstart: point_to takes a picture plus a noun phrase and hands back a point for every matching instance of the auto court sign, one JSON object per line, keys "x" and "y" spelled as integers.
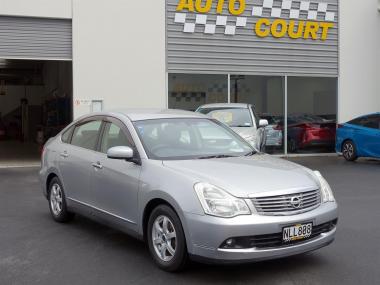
{"x": 296, "y": 19}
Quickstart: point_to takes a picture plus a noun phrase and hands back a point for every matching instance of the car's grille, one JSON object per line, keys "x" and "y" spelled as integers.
{"x": 290, "y": 204}
{"x": 275, "y": 240}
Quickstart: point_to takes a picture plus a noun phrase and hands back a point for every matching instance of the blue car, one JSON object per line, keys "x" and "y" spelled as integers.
{"x": 359, "y": 137}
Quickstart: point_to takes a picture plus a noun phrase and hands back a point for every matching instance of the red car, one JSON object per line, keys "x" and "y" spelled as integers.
{"x": 310, "y": 131}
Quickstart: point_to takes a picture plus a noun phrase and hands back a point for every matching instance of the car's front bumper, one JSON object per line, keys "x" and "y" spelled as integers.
{"x": 206, "y": 234}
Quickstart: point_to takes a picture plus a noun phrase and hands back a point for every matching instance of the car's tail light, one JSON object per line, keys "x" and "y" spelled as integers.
{"x": 42, "y": 151}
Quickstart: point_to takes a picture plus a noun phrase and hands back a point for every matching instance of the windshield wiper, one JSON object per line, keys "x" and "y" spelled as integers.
{"x": 216, "y": 156}
{"x": 251, "y": 153}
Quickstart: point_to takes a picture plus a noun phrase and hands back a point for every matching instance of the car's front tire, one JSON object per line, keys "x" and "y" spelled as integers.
{"x": 166, "y": 239}
{"x": 57, "y": 202}
{"x": 349, "y": 151}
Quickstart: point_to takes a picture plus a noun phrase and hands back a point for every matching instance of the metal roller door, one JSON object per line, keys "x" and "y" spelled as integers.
{"x": 35, "y": 38}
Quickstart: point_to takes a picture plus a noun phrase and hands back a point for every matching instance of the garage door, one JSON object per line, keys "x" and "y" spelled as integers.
{"x": 35, "y": 38}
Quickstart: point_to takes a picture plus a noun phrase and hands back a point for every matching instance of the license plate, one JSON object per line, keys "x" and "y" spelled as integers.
{"x": 297, "y": 232}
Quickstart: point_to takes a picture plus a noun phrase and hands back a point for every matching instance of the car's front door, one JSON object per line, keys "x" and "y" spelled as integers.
{"x": 75, "y": 158}
{"x": 367, "y": 136}
{"x": 115, "y": 183}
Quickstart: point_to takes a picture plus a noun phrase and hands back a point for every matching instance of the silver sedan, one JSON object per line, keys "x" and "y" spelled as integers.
{"x": 187, "y": 185}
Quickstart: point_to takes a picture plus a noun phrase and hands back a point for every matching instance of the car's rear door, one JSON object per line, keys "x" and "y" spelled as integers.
{"x": 115, "y": 182}
{"x": 76, "y": 157}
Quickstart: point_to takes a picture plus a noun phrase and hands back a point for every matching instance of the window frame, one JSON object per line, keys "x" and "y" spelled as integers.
{"x": 123, "y": 128}
{"x": 70, "y": 129}
{"x": 127, "y": 132}
{"x": 83, "y": 122}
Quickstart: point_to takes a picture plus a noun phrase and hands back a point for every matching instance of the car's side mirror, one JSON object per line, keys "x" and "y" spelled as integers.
{"x": 120, "y": 152}
{"x": 263, "y": 123}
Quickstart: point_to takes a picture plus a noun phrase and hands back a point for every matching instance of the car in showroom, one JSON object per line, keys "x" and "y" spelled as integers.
{"x": 274, "y": 131}
{"x": 359, "y": 137}
{"x": 242, "y": 118}
{"x": 309, "y": 131}
{"x": 187, "y": 185}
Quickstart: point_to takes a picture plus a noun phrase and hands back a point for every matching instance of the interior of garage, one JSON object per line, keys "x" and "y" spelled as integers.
{"x": 35, "y": 104}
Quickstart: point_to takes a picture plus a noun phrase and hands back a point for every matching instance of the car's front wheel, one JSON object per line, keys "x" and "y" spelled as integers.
{"x": 166, "y": 239}
{"x": 57, "y": 202}
{"x": 349, "y": 151}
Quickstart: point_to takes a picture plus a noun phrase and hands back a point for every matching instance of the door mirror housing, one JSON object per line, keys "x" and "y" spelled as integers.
{"x": 120, "y": 152}
{"x": 263, "y": 123}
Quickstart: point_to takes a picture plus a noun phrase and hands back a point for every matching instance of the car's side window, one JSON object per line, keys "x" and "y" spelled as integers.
{"x": 371, "y": 123}
{"x": 377, "y": 119}
{"x": 86, "y": 135}
{"x": 358, "y": 121}
{"x": 66, "y": 136}
{"x": 113, "y": 136}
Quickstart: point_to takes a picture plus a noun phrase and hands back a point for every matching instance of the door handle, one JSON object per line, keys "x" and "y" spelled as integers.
{"x": 64, "y": 154}
{"x": 97, "y": 165}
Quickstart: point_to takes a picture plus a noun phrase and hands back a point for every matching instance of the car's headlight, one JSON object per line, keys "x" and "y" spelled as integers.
{"x": 327, "y": 194}
{"x": 217, "y": 202}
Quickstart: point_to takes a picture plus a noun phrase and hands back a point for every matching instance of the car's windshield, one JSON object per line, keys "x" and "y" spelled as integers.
{"x": 233, "y": 117}
{"x": 186, "y": 138}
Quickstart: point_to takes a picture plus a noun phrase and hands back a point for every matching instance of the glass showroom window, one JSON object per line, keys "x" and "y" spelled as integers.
{"x": 189, "y": 91}
{"x": 266, "y": 95}
{"x": 312, "y": 108}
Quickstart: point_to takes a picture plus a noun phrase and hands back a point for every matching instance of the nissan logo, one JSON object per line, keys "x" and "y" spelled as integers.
{"x": 296, "y": 202}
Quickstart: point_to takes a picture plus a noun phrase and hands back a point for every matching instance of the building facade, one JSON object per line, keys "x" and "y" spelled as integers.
{"x": 288, "y": 58}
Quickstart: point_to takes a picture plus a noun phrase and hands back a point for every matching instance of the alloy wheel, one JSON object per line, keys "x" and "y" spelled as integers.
{"x": 348, "y": 150}
{"x": 56, "y": 199}
{"x": 164, "y": 238}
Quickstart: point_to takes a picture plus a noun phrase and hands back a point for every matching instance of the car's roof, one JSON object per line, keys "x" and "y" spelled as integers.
{"x": 151, "y": 114}
{"x": 225, "y": 105}
{"x": 367, "y": 115}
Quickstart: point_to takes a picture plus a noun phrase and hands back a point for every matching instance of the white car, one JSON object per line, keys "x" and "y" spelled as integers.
{"x": 274, "y": 131}
{"x": 241, "y": 118}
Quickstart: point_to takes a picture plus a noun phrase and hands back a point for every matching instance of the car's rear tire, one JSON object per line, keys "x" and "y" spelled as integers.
{"x": 349, "y": 151}
{"x": 57, "y": 202}
{"x": 292, "y": 146}
{"x": 166, "y": 239}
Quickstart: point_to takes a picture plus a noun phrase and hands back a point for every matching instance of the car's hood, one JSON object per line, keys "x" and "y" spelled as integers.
{"x": 247, "y": 176}
{"x": 249, "y": 132}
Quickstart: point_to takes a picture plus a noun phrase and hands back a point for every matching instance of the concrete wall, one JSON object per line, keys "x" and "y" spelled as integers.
{"x": 359, "y": 85}
{"x": 37, "y": 8}
{"x": 119, "y": 53}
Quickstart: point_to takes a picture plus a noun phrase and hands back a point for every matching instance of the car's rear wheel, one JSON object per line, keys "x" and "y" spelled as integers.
{"x": 166, "y": 239}
{"x": 349, "y": 151}
{"x": 57, "y": 202}
{"x": 292, "y": 146}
